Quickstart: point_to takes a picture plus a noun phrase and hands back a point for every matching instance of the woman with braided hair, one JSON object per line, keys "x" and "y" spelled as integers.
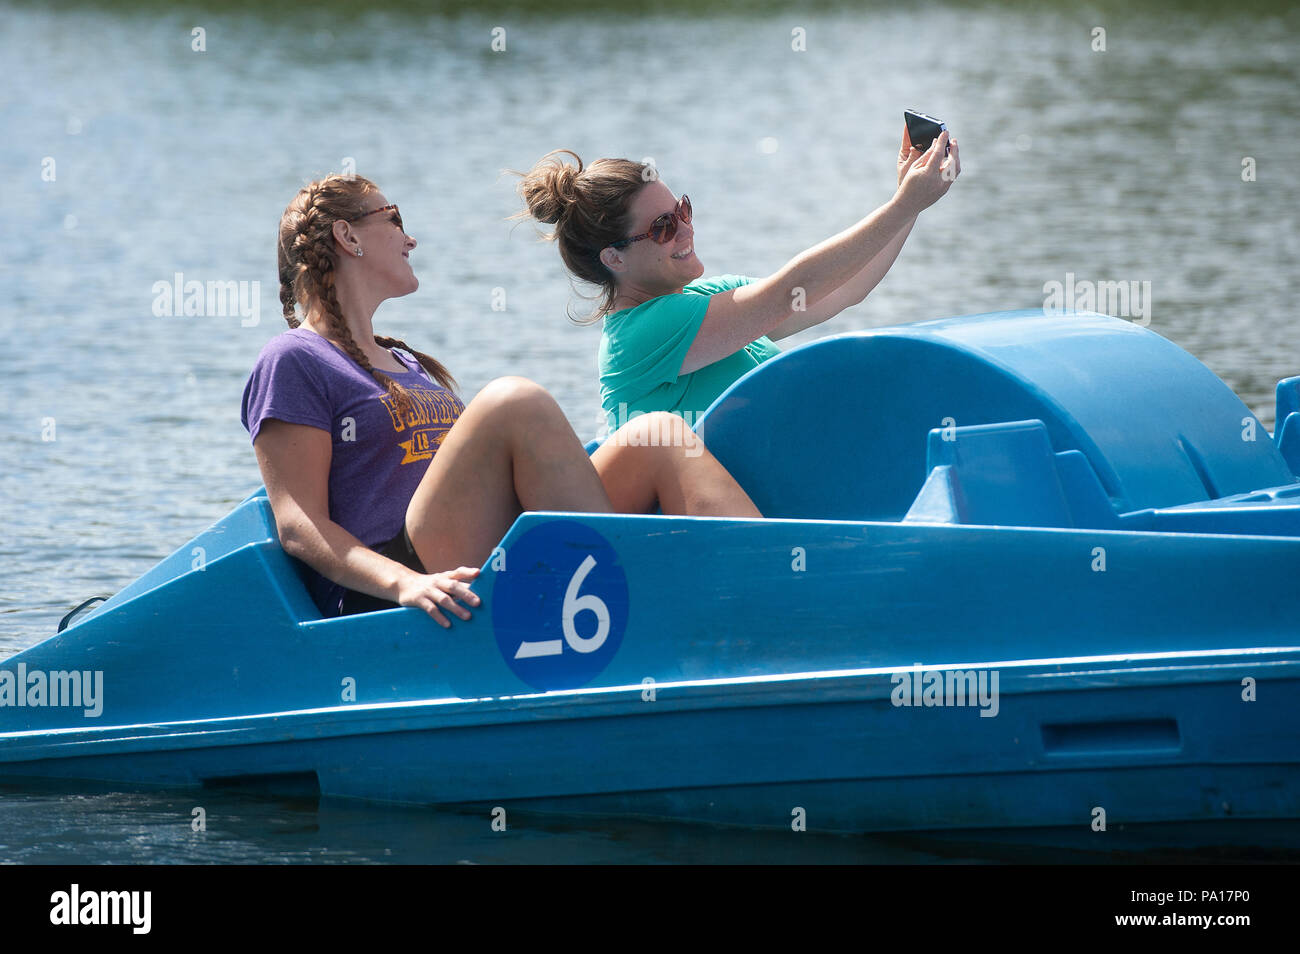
{"x": 379, "y": 476}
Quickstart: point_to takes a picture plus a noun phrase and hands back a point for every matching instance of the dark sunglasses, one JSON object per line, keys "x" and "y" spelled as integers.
{"x": 663, "y": 229}
{"x": 395, "y": 218}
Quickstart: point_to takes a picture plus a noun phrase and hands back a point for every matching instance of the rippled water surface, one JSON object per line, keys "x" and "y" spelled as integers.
{"x": 120, "y": 435}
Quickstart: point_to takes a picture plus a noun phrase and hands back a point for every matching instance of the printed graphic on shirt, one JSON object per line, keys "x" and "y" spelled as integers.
{"x": 426, "y": 421}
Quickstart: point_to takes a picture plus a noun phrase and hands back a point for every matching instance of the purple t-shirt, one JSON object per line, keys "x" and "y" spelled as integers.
{"x": 379, "y": 455}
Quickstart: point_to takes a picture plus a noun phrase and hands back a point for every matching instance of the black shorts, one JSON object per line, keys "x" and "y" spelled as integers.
{"x": 400, "y": 549}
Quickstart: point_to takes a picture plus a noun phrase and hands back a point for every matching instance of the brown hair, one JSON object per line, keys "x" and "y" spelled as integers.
{"x": 589, "y": 209}
{"x": 307, "y": 271}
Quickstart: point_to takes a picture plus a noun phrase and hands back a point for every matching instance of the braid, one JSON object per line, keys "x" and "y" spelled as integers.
{"x": 432, "y": 365}
{"x": 339, "y": 329}
{"x": 307, "y": 273}
{"x": 294, "y": 240}
{"x": 287, "y": 302}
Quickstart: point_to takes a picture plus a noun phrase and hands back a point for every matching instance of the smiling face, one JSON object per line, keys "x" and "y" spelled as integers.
{"x": 645, "y": 269}
{"x": 384, "y": 267}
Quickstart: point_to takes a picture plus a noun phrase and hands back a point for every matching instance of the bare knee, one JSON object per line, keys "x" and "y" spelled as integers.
{"x": 514, "y": 395}
{"x": 660, "y": 429}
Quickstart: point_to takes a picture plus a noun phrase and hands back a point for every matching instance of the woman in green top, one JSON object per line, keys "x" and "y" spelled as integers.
{"x": 672, "y": 341}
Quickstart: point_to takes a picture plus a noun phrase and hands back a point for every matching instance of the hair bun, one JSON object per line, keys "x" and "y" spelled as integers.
{"x": 564, "y": 183}
{"x": 551, "y": 186}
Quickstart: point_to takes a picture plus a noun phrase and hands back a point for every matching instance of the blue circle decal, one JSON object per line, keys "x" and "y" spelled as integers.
{"x": 559, "y": 605}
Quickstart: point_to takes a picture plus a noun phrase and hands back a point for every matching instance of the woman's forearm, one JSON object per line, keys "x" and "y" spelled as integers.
{"x": 852, "y": 292}
{"x": 827, "y": 266}
{"x": 337, "y": 555}
{"x": 859, "y": 255}
{"x": 860, "y": 285}
{"x": 766, "y": 307}
{"x": 735, "y": 318}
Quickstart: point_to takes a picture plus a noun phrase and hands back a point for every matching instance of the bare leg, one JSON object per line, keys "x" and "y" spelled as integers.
{"x": 656, "y": 457}
{"x": 511, "y": 450}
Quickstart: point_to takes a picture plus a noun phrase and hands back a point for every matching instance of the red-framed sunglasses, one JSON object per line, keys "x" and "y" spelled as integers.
{"x": 395, "y": 218}
{"x": 663, "y": 229}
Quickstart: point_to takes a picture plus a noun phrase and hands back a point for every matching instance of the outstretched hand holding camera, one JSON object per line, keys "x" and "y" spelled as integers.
{"x": 923, "y": 177}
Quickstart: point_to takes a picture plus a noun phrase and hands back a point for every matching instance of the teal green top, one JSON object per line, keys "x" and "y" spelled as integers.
{"x": 642, "y": 349}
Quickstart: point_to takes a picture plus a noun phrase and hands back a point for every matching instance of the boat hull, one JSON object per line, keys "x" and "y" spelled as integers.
{"x": 1140, "y": 740}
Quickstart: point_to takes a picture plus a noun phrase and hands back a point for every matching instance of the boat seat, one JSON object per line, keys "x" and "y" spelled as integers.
{"x": 1007, "y": 475}
{"x": 250, "y": 527}
{"x": 839, "y": 428}
{"x": 1287, "y": 422}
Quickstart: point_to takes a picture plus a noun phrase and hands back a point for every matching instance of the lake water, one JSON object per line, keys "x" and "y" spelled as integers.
{"x": 129, "y": 158}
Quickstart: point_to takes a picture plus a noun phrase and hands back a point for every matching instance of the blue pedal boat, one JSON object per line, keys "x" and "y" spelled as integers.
{"x": 1019, "y": 570}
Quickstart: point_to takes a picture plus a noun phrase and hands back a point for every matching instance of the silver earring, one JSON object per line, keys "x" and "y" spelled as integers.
{"x": 358, "y": 253}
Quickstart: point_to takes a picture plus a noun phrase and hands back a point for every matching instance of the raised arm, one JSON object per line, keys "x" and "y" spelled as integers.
{"x": 833, "y": 275}
{"x": 295, "y": 464}
{"x": 851, "y": 293}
